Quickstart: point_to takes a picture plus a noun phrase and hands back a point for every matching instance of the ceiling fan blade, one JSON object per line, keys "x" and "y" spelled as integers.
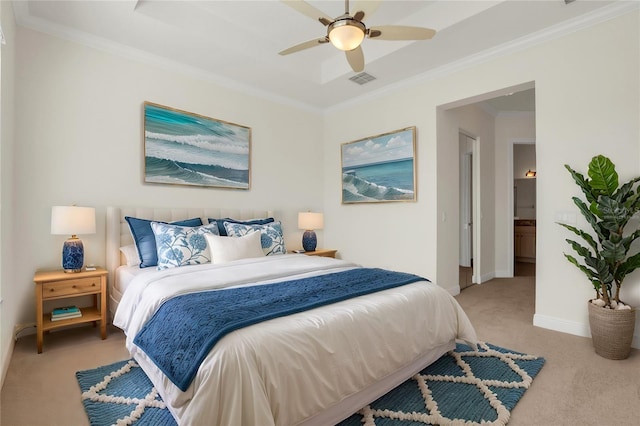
{"x": 306, "y": 9}
{"x": 365, "y": 7}
{"x": 305, "y": 45}
{"x": 400, "y": 32}
{"x": 355, "y": 58}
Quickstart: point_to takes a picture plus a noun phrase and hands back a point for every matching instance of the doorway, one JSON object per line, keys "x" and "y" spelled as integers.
{"x": 492, "y": 119}
{"x": 523, "y": 154}
{"x": 466, "y": 252}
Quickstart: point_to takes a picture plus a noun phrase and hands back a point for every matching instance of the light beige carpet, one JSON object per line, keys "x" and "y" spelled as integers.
{"x": 575, "y": 387}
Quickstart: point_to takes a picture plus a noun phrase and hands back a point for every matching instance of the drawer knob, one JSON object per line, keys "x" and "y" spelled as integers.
{"x": 73, "y": 286}
{"x": 93, "y": 284}
{"x": 53, "y": 289}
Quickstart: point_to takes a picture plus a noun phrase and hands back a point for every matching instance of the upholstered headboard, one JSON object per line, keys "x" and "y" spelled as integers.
{"x": 118, "y": 233}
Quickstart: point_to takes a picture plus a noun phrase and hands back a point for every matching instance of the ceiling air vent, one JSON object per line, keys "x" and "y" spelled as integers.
{"x": 362, "y": 78}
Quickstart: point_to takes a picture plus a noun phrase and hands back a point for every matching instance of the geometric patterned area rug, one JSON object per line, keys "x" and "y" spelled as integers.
{"x": 463, "y": 386}
{"x": 122, "y": 394}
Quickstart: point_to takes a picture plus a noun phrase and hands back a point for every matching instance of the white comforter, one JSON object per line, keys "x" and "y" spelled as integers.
{"x": 290, "y": 369}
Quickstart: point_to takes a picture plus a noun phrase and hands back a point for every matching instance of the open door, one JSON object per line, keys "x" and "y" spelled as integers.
{"x": 466, "y": 210}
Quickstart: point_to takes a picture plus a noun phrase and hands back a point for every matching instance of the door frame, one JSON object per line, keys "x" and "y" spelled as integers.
{"x": 476, "y": 229}
{"x": 466, "y": 208}
{"x": 511, "y": 201}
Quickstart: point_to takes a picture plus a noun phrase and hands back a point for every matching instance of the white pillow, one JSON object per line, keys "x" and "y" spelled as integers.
{"x": 271, "y": 237}
{"x": 226, "y": 249}
{"x": 131, "y": 255}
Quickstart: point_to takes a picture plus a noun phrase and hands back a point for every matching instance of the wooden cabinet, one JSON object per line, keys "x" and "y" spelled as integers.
{"x": 322, "y": 253}
{"x": 56, "y": 285}
{"x": 525, "y": 243}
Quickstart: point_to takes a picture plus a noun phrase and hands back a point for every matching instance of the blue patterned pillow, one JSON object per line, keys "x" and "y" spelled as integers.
{"x": 182, "y": 245}
{"x": 223, "y": 231}
{"x": 271, "y": 237}
{"x": 145, "y": 241}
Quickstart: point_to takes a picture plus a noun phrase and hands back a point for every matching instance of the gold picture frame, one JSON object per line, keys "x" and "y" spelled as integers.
{"x": 183, "y": 148}
{"x": 380, "y": 168}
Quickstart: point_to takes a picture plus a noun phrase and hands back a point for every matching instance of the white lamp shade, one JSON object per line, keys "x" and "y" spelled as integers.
{"x": 73, "y": 220}
{"x": 310, "y": 221}
{"x": 346, "y": 36}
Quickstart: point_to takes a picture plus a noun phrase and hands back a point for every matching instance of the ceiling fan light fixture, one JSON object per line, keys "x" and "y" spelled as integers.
{"x": 346, "y": 34}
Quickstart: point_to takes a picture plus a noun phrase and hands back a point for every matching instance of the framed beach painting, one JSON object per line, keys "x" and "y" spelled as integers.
{"x": 190, "y": 149}
{"x": 380, "y": 168}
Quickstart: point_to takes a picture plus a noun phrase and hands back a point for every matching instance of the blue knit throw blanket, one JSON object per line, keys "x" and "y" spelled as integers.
{"x": 185, "y": 328}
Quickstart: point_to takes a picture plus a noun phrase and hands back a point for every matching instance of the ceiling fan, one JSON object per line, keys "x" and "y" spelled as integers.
{"x": 346, "y": 32}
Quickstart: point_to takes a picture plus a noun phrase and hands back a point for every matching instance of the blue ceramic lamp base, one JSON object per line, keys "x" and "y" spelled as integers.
{"x": 72, "y": 255}
{"x": 309, "y": 241}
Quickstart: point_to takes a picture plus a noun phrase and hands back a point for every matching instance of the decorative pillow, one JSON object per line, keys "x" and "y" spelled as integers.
{"x": 271, "y": 237}
{"x": 182, "y": 245}
{"x": 130, "y": 254}
{"x": 225, "y": 249}
{"x": 145, "y": 240}
{"x": 223, "y": 231}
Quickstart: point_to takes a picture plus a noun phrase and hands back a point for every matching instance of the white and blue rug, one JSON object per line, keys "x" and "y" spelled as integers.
{"x": 467, "y": 386}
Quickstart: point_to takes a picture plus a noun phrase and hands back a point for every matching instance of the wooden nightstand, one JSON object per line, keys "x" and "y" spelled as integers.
{"x": 322, "y": 253}
{"x": 56, "y": 285}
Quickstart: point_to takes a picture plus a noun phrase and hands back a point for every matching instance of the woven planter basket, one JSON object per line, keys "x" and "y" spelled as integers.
{"x": 611, "y": 331}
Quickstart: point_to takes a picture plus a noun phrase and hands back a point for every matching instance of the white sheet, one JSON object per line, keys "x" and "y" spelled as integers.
{"x": 119, "y": 282}
{"x": 290, "y": 369}
{"x": 125, "y": 274}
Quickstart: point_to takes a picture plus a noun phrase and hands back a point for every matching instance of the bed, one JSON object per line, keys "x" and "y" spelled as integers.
{"x": 314, "y": 367}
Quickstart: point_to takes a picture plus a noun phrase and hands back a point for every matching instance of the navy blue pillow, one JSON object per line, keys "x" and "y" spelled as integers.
{"x": 223, "y": 231}
{"x": 145, "y": 239}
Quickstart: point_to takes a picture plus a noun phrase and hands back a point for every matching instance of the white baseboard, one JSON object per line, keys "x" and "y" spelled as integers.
{"x": 573, "y": 327}
{"x": 7, "y": 359}
{"x": 503, "y": 274}
{"x": 486, "y": 277}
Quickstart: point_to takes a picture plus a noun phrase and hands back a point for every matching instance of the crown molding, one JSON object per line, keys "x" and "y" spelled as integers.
{"x": 619, "y": 8}
{"x": 604, "y": 14}
{"x": 99, "y": 43}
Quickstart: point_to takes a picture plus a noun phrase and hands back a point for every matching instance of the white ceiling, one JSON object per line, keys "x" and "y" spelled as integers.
{"x": 236, "y": 43}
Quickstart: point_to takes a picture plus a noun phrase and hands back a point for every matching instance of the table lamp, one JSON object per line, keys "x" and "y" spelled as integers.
{"x": 73, "y": 220}
{"x": 310, "y": 222}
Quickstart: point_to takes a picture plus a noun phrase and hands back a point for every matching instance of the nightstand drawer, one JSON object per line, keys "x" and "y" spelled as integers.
{"x": 74, "y": 287}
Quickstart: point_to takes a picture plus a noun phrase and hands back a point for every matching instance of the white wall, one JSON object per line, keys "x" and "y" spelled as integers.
{"x": 79, "y": 140}
{"x": 589, "y": 107}
{"x": 8, "y": 292}
{"x": 587, "y": 102}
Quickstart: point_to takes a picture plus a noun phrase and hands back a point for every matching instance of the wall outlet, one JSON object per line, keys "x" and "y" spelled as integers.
{"x": 568, "y": 218}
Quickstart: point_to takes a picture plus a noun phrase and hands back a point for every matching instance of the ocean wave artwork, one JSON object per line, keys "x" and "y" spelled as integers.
{"x": 190, "y": 149}
{"x": 381, "y": 168}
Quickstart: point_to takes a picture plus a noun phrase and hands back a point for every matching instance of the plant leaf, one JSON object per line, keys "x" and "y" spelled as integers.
{"x": 613, "y": 214}
{"x": 583, "y": 268}
{"x": 628, "y": 266}
{"x": 604, "y": 178}
{"x": 583, "y": 184}
{"x": 591, "y": 218}
{"x": 587, "y": 237}
{"x": 613, "y": 252}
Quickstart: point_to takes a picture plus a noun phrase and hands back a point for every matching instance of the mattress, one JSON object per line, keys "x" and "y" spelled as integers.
{"x": 121, "y": 279}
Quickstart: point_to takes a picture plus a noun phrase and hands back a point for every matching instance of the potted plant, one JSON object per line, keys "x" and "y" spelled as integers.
{"x": 609, "y": 257}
